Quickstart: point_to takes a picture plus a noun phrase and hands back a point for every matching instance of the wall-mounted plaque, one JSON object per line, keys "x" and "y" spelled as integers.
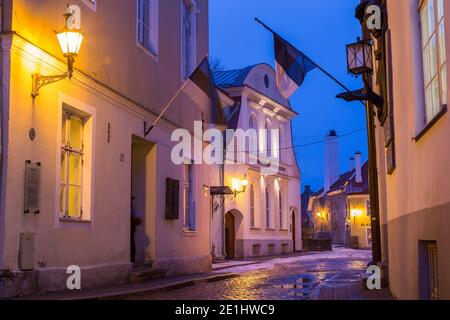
{"x": 32, "y": 187}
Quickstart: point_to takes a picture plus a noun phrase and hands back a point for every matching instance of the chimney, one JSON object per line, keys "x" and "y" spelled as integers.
{"x": 358, "y": 156}
{"x": 331, "y": 168}
{"x": 352, "y": 164}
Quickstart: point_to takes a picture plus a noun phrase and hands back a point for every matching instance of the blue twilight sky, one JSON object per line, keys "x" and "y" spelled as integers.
{"x": 320, "y": 29}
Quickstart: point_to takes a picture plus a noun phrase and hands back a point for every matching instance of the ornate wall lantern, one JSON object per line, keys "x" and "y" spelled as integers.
{"x": 359, "y": 57}
{"x": 239, "y": 186}
{"x": 70, "y": 41}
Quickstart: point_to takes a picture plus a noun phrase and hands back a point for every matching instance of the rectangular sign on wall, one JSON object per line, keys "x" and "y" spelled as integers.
{"x": 32, "y": 187}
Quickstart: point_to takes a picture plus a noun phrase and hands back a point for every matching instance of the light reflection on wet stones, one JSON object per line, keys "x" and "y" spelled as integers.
{"x": 301, "y": 288}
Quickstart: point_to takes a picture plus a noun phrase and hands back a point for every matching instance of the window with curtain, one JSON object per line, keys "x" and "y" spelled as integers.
{"x": 72, "y": 153}
{"x": 434, "y": 57}
{"x": 252, "y": 207}
{"x": 267, "y": 208}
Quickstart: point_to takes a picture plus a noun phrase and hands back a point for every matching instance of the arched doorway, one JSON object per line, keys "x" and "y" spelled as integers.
{"x": 234, "y": 234}
{"x": 230, "y": 235}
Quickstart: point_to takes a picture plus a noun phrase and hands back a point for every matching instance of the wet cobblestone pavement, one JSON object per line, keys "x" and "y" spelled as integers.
{"x": 329, "y": 276}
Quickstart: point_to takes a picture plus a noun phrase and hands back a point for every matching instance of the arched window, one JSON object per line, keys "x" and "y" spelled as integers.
{"x": 267, "y": 208}
{"x": 281, "y": 207}
{"x": 281, "y": 144}
{"x": 268, "y": 140}
{"x": 252, "y": 206}
{"x": 252, "y": 143}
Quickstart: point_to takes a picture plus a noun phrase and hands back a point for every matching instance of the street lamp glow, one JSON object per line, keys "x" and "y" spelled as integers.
{"x": 244, "y": 182}
{"x": 70, "y": 42}
{"x": 239, "y": 185}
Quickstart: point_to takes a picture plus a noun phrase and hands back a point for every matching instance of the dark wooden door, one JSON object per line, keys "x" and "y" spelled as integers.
{"x": 229, "y": 235}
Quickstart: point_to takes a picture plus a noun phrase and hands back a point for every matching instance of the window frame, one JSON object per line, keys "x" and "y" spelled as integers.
{"x": 253, "y": 118}
{"x": 88, "y": 113}
{"x": 69, "y": 151}
{"x": 153, "y": 28}
{"x": 430, "y": 115}
{"x": 193, "y": 40}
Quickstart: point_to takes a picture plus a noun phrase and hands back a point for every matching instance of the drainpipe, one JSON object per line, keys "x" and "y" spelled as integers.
{"x": 222, "y": 199}
{"x": 2, "y": 147}
{"x": 1, "y": 136}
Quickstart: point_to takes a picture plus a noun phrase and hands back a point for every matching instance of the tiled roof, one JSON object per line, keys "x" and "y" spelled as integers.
{"x": 348, "y": 180}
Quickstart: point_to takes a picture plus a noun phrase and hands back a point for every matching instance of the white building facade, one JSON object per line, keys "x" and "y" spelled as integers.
{"x": 265, "y": 219}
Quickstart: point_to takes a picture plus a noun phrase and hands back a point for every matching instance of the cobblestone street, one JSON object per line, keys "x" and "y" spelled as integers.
{"x": 317, "y": 276}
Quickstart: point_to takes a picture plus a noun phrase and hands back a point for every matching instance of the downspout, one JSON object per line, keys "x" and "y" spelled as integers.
{"x": 222, "y": 199}
{"x": 5, "y": 74}
{"x": 1, "y": 137}
{"x": 2, "y": 93}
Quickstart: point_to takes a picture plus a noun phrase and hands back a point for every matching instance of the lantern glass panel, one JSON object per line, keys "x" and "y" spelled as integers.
{"x": 368, "y": 57}
{"x": 70, "y": 42}
{"x": 359, "y": 58}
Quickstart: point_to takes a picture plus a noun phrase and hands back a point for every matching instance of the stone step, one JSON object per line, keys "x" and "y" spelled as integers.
{"x": 139, "y": 266}
{"x": 143, "y": 273}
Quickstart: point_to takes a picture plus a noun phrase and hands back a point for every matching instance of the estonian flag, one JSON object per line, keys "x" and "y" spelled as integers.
{"x": 202, "y": 77}
{"x": 292, "y": 66}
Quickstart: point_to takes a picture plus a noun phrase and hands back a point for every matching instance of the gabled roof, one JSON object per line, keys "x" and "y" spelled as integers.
{"x": 348, "y": 182}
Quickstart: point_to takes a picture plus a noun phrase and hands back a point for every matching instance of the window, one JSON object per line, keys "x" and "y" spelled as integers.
{"x": 268, "y": 140}
{"x": 147, "y": 25}
{"x": 188, "y": 41}
{"x": 252, "y": 143}
{"x": 281, "y": 207}
{"x": 267, "y": 209}
{"x": 434, "y": 57}
{"x": 368, "y": 212}
{"x": 189, "y": 204}
{"x": 252, "y": 206}
{"x": 72, "y": 161}
{"x": 281, "y": 145}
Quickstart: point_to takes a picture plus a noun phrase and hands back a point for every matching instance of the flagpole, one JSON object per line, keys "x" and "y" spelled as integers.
{"x": 318, "y": 66}
{"x": 147, "y": 132}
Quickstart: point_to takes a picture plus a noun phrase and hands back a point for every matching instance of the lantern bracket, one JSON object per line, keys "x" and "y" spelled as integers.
{"x": 364, "y": 94}
{"x": 40, "y": 81}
